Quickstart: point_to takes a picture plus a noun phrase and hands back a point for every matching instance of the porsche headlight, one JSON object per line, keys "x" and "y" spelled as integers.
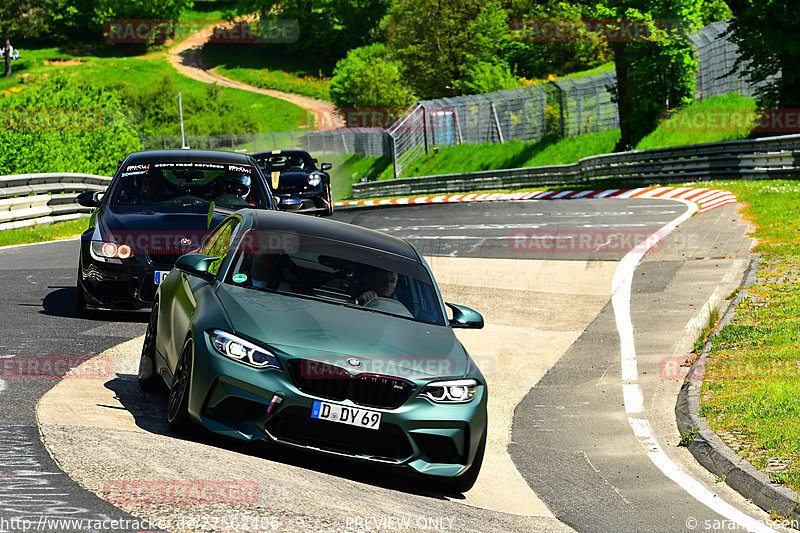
{"x": 241, "y": 350}
{"x": 110, "y": 250}
{"x": 314, "y": 179}
{"x": 456, "y": 391}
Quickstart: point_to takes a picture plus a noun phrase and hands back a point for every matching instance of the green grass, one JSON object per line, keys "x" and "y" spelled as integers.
{"x": 703, "y": 122}
{"x": 512, "y": 154}
{"x": 268, "y": 67}
{"x": 59, "y": 230}
{"x": 752, "y": 385}
{"x": 151, "y": 85}
{"x": 209, "y": 11}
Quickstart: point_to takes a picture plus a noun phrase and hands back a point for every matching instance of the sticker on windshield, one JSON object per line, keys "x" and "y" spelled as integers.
{"x": 214, "y": 166}
{"x": 240, "y": 278}
{"x": 134, "y": 168}
{"x": 276, "y": 152}
{"x": 238, "y": 168}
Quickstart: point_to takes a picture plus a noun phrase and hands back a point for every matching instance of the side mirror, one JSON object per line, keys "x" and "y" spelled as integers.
{"x": 464, "y": 317}
{"x": 197, "y": 265}
{"x": 325, "y": 166}
{"x": 290, "y": 203}
{"x": 89, "y": 198}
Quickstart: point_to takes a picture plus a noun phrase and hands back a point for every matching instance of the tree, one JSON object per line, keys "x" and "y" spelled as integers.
{"x": 368, "y": 78}
{"x": 657, "y": 73}
{"x": 439, "y": 41}
{"x": 327, "y": 27}
{"x": 84, "y": 19}
{"x": 22, "y": 18}
{"x": 766, "y": 33}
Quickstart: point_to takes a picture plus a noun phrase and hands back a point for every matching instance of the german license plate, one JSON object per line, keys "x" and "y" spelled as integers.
{"x": 160, "y": 275}
{"x": 345, "y": 414}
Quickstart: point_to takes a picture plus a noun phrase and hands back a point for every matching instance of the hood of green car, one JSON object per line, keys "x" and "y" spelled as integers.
{"x": 360, "y": 340}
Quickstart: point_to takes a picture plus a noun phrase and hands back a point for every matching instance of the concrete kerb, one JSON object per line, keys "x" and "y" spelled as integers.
{"x": 711, "y": 452}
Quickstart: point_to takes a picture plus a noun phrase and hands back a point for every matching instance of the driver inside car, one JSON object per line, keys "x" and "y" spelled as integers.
{"x": 379, "y": 283}
{"x": 235, "y": 188}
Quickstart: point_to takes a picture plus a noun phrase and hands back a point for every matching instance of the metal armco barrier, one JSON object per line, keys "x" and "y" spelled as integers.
{"x": 773, "y": 157}
{"x": 32, "y": 199}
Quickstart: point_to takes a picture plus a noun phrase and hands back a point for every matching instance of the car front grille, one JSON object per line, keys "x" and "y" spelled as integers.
{"x": 295, "y": 425}
{"x": 164, "y": 257}
{"x": 335, "y": 383}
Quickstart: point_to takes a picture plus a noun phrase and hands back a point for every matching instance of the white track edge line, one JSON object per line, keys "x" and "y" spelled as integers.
{"x": 621, "y": 292}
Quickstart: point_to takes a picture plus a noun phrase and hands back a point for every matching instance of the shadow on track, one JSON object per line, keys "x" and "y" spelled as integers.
{"x": 61, "y": 302}
{"x": 149, "y": 411}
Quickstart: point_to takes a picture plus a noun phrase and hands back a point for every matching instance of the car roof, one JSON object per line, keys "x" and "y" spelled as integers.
{"x": 330, "y": 229}
{"x": 169, "y": 156}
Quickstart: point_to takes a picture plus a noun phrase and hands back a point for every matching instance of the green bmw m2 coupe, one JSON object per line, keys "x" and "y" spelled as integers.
{"x": 322, "y": 336}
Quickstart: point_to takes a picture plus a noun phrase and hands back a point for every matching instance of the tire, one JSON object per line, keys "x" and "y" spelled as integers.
{"x": 149, "y": 380}
{"x": 465, "y": 481}
{"x": 178, "y": 400}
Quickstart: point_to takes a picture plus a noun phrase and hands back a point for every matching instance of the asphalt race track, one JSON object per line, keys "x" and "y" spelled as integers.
{"x": 571, "y": 446}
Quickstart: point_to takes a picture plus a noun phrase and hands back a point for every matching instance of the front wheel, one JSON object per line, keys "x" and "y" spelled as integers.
{"x": 149, "y": 380}
{"x": 178, "y": 401}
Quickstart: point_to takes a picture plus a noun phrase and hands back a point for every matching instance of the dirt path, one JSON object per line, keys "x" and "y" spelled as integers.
{"x": 187, "y": 58}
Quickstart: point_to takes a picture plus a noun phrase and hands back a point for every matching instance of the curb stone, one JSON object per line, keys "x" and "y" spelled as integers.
{"x": 709, "y": 450}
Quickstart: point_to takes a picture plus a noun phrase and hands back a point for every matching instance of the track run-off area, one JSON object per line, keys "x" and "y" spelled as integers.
{"x": 592, "y": 302}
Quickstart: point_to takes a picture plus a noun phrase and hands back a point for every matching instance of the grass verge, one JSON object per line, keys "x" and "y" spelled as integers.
{"x": 42, "y": 233}
{"x": 266, "y": 66}
{"x": 751, "y": 391}
{"x": 150, "y": 86}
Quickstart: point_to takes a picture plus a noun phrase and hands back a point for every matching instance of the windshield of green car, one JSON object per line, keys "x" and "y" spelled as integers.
{"x": 182, "y": 184}
{"x": 336, "y": 272}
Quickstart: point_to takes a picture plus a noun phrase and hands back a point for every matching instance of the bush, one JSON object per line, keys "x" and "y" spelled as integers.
{"x": 57, "y": 125}
{"x": 367, "y": 77}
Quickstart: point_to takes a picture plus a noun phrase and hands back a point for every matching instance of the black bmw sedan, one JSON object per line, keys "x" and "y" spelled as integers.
{"x": 159, "y": 206}
{"x": 295, "y": 173}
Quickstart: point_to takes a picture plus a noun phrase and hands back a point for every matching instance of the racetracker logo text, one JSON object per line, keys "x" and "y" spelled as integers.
{"x": 55, "y": 366}
{"x": 583, "y": 240}
{"x": 183, "y": 492}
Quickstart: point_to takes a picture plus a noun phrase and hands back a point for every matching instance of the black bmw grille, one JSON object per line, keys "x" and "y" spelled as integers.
{"x": 165, "y": 257}
{"x": 295, "y": 425}
{"x": 335, "y": 383}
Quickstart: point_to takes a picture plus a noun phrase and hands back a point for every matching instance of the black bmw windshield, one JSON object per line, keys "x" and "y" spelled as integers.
{"x": 167, "y": 186}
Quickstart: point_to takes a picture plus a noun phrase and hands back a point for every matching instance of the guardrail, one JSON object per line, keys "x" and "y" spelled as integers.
{"x": 772, "y": 157}
{"x": 32, "y": 199}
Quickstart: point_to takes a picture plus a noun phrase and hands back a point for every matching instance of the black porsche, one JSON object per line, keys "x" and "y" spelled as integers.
{"x": 294, "y": 173}
{"x": 159, "y": 206}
